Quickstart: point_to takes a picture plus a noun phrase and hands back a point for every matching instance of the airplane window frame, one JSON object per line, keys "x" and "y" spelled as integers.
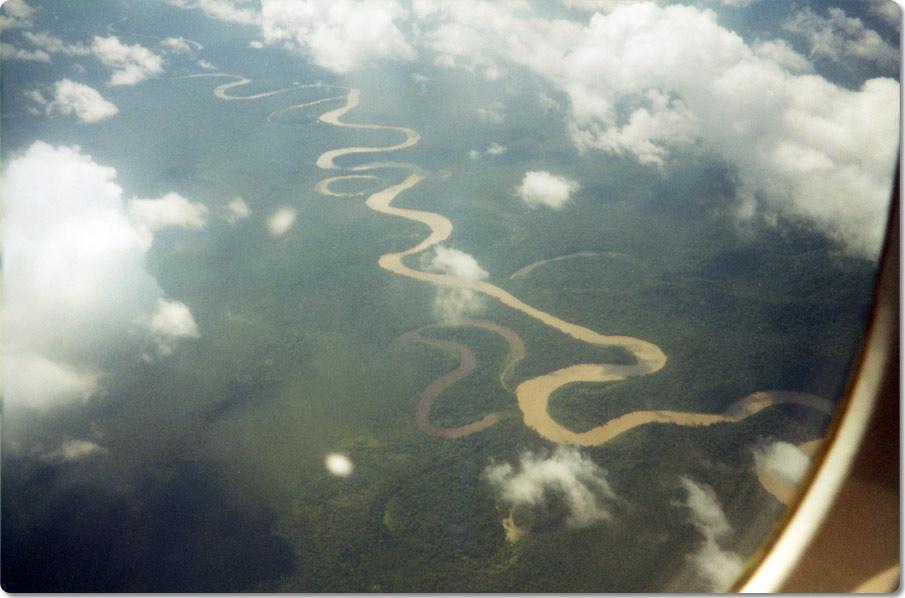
{"x": 850, "y": 499}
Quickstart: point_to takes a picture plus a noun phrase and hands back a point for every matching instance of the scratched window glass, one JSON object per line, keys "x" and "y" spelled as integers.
{"x": 425, "y": 296}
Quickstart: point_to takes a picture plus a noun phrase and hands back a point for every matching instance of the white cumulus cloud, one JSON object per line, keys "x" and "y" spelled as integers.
{"x": 34, "y": 380}
{"x": 540, "y": 188}
{"x": 644, "y": 78}
{"x": 173, "y": 319}
{"x": 340, "y": 35}
{"x": 782, "y": 460}
{"x": 888, "y": 10}
{"x": 238, "y": 210}
{"x": 454, "y": 302}
{"x": 494, "y": 149}
{"x": 176, "y": 44}
{"x": 281, "y": 221}
{"x": 10, "y": 52}
{"x": 339, "y": 465}
{"x": 493, "y": 113}
{"x": 780, "y": 52}
{"x": 86, "y": 103}
{"x": 459, "y": 46}
{"x": 74, "y": 278}
{"x": 837, "y": 37}
{"x": 718, "y": 568}
{"x": 55, "y": 45}
{"x": 565, "y": 476}
{"x": 456, "y": 263}
{"x": 170, "y": 210}
{"x": 223, "y": 10}
{"x": 131, "y": 64}
{"x": 16, "y": 14}
{"x": 74, "y": 450}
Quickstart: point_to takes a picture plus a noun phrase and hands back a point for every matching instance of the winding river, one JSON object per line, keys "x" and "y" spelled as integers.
{"x": 466, "y": 365}
{"x": 524, "y": 271}
{"x": 532, "y": 395}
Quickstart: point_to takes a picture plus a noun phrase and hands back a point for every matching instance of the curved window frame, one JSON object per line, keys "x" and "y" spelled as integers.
{"x": 849, "y": 504}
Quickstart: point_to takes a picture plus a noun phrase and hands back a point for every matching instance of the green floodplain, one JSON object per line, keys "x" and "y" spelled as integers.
{"x": 301, "y": 355}
{"x": 308, "y": 361}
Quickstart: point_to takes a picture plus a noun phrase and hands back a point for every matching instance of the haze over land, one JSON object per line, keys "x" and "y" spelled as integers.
{"x": 427, "y": 296}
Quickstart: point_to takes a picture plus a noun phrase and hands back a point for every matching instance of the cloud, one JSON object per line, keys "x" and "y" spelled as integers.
{"x": 540, "y": 188}
{"x": 494, "y": 149}
{"x": 55, "y": 45}
{"x": 339, "y": 465}
{"x": 718, "y": 568}
{"x": 585, "y": 5}
{"x": 780, "y": 52}
{"x": 10, "y": 52}
{"x": 839, "y": 37}
{"x": 176, "y": 44}
{"x": 238, "y": 210}
{"x": 706, "y": 513}
{"x": 656, "y": 122}
{"x": 643, "y": 79}
{"x": 451, "y": 302}
{"x": 889, "y": 12}
{"x": 459, "y": 46}
{"x": 16, "y": 14}
{"x": 564, "y": 484}
{"x": 783, "y": 461}
{"x": 84, "y": 102}
{"x": 340, "y": 35}
{"x": 170, "y": 210}
{"x": 221, "y": 9}
{"x": 493, "y": 113}
{"x": 36, "y": 381}
{"x": 547, "y": 103}
{"x": 74, "y": 450}
{"x": 206, "y": 65}
{"x": 456, "y": 263}
{"x": 130, "y": 64}
{"x": 38, "y": 98}
{"x": 172, "y": 320}
{"x": 281, "y": 221}
{"x": 75, "y": 286}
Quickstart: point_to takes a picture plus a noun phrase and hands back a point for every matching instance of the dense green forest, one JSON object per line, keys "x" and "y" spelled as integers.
{"x": 417, "y": 514}
{"x": 480, "y": 392}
